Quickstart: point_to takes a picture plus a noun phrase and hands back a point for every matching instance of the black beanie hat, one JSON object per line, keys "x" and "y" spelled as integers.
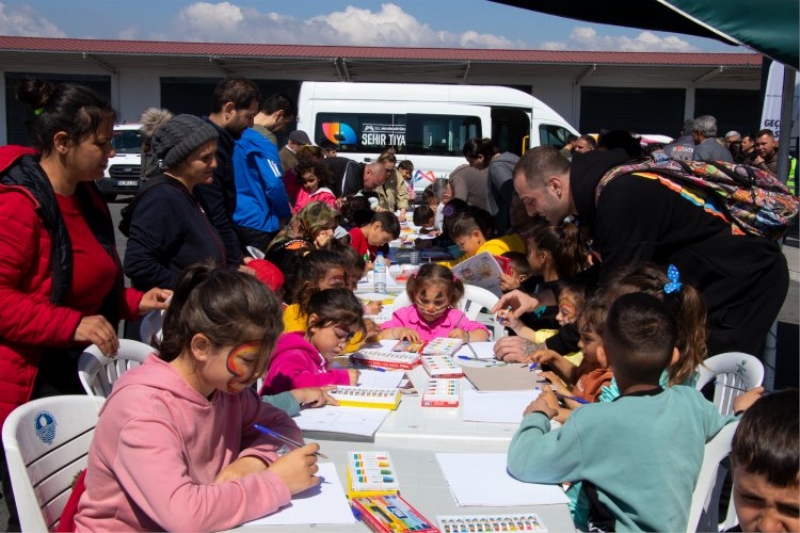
{"x": 177, "y": 138}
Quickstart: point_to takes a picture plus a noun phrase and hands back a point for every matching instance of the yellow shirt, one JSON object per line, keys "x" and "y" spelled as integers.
{"x": 498, "y": 246}
{"x": 294, "y": 321}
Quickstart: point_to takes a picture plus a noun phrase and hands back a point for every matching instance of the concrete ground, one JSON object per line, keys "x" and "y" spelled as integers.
{"x": 788, "y": 369}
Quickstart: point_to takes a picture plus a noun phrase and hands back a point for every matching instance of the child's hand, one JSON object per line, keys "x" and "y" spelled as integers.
{"x": 507, "y": 319}
{"x": 314, "y": 396}
{"x": 547, "y": 402}
{"x": 543, "y": 356}
{"x": 508, "y": 283}
{"x": 459, "y": 333}
{"x": 297, "y": 468}
{"x": 554, "y": 379}
{"x": 241, "y": 467}
{"x": 403, "y": 334}
{"x": 743, "y": 402}
{"x": 354, "y": 373}
{"x": 373, "y": 308}
{"x": 374, "y": 331}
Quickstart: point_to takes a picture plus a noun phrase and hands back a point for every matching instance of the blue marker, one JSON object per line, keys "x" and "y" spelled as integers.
{"x": 533, "y": 366}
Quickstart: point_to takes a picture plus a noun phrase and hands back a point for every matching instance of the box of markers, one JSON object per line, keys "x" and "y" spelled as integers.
{"x": 441, "y": 393}
{"x": 391, "y": 514}
{"x": 383, "y": 359}
{"x": 441, "y": 366}
{"x": 367, "y": 397}
{"x": 370, "y": 474}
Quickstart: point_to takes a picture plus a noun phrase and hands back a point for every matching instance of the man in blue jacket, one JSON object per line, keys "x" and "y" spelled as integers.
{"x": 261, "y": 201}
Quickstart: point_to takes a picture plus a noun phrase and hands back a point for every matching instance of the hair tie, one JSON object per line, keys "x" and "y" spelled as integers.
{"x": 414, "y": 275}
{"x": 38, "y": 111}
{"x": 673, "y": 285}
{"x": 456, "y": 278}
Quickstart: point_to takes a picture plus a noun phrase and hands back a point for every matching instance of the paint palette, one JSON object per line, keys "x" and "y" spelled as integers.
{"x": 490, "y": 523}
{"x": 367, "y": 397}
{"x": 370, "y": 474}
{"x": 441, "y": 393}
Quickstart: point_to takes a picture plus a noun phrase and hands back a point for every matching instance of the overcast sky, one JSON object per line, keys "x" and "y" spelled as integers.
{"x": 423, "y": 23}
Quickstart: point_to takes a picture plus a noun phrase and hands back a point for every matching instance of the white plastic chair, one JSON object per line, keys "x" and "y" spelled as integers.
{"x": 98, "y": 372}
{"x": 704, "y": 512}
{"x": 474, "y": 300}
{"x": 47, "y": 443}
{"x": 734, "y": 373}
{"x": 150, "y": 328}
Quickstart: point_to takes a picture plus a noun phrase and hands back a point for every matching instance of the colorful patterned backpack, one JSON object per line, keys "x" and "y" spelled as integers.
{"x": 752, "y": 200}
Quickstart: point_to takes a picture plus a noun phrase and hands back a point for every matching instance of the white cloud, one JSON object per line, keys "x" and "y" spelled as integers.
{"x": 22, "y": 21}
{"x": 389, "y": 26}
{"x": 129, "y": 34}
{"x": 585, "y": 38}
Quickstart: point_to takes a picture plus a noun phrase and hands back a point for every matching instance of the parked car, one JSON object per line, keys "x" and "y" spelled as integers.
{"x": 123, "y": 174}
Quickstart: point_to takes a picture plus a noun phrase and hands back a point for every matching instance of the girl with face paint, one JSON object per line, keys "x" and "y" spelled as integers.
{"x": 177, "y": 433}
{"x": 435, "y": 292}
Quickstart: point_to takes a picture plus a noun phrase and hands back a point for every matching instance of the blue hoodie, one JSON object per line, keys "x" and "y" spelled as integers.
{"x": 261, "y": 199}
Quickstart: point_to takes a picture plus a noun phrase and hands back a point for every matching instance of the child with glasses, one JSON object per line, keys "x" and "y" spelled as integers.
{"x": 334, "y": 316}
{"x": 434, "y": 291}
{"x": 175, "y": 448}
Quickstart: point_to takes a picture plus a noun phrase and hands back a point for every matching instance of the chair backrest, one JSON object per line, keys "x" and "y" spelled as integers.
{"x": 150, "y": 327}
{"x": 98, "y": 372}
{"x": 734, "y": 373}
{"x": 704, "y": 512}
{"x": 46, "y": 443}
{"x": 474, "y": 300}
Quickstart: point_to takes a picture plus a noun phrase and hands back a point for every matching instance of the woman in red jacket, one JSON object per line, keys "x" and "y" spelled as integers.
{"x": 61, "y": 282}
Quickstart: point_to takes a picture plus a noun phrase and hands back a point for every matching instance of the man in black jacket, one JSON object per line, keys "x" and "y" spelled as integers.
{"x": 235, "y": 106}
{"x": 742, "y": 278}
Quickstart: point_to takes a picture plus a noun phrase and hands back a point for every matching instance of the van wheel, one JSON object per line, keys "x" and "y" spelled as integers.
{"x": 109, "y": 197}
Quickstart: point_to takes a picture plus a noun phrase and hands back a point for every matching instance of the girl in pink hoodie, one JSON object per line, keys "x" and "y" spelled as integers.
{"x": 301, "y": 357}
{"x": 175, "y": 448}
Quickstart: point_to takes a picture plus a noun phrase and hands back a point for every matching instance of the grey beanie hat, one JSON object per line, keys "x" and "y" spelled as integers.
{"x": 178, "y": 137}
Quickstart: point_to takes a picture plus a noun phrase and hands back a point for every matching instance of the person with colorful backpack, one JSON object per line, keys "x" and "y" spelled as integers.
{"x": 718, "y": 223}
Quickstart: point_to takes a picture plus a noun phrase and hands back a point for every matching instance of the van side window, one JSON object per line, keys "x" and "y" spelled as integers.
{"x": 412, "y": 134}
{"x": 361, "y": 132}
{"x": 552, "y": 135}
{"x": 439, "y": 134}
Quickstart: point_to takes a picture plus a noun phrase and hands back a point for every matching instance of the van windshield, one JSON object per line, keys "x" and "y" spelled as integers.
{"x": 127, "y": 141}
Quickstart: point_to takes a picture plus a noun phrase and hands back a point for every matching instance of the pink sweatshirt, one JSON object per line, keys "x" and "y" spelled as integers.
{"x": 159, "y": 445}
{"x": 408, "y": 317}
{"x": 323, "y": 194}
{"x": 296, "y": 364}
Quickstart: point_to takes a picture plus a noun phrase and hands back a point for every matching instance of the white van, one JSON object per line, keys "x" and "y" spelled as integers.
{"x": 427, "y": 124}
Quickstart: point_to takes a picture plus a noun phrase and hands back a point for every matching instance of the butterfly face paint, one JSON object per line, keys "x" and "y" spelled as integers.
{"x": 567, "y": 310}
{"x": 243, "y": 363}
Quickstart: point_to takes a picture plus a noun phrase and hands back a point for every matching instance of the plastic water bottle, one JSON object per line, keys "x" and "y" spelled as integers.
{"x": 379, "y": 273}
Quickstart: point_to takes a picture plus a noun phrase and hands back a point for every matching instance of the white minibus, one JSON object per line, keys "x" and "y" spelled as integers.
{"x": 426, "y": 124}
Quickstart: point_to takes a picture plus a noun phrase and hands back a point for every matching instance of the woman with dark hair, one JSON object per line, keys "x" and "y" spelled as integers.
{"x": 61, "y": 282}
{"x": 484, "y": 154}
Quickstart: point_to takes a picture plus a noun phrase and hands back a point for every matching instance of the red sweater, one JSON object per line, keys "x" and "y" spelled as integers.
{"x": 29, "y": 322}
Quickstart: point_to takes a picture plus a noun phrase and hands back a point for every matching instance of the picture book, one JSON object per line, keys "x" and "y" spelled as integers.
{"x": 387, "y": 514}
{"x": 490, "y": 523}
{"x": 441, "y": 366}
{"x": 370, "y": 474}
{"x": 386, "y": 359}
{"x": 441, "y": 393}
{"x": 482, "y": 270}
{"x": 367, "y": 397}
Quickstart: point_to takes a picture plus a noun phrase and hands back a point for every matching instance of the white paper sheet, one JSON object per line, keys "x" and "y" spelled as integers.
{"x": 324, "y": 504}
{"x": 484, "y": 350}
{"x": 502, "y": 407}
{"x": 481, "y": 479}
{"x": 361, "y": 421}
{"x": 374, "y": 379}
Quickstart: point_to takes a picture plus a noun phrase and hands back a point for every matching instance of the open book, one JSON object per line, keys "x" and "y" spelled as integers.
{"x": 483, "y": 270}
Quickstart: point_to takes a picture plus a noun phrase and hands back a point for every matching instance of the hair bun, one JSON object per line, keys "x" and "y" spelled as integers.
{"x": 34, "y": 92}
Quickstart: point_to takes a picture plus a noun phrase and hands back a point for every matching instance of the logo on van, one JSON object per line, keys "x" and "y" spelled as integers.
{"x": 339, "y": 133}
{"x": 424, "y": 176}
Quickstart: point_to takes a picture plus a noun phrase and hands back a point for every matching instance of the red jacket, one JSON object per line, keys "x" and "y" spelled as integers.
{"x": 29, "y": 321}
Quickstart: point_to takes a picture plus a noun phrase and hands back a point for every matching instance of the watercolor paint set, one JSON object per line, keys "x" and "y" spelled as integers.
{"x": 441, "y": 366}
{"x": 370, "y": 474}
{"x": 391, "y": 514}
{"x": 441, "y": 393}
{"x": 490, "y": 523}
{"x": 367, "y": 397}
{"x": 383, "y": 359}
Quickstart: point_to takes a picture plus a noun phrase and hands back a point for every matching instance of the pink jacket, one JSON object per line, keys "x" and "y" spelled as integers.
{"x": 159, "y": 445}
{"x": 323, "y": 194}
{"x": 296, "y": 364}
{"x": 408, "y": 317}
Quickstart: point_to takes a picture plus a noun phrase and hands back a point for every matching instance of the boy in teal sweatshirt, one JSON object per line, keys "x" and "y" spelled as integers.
{"x": 638, "y": 456}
